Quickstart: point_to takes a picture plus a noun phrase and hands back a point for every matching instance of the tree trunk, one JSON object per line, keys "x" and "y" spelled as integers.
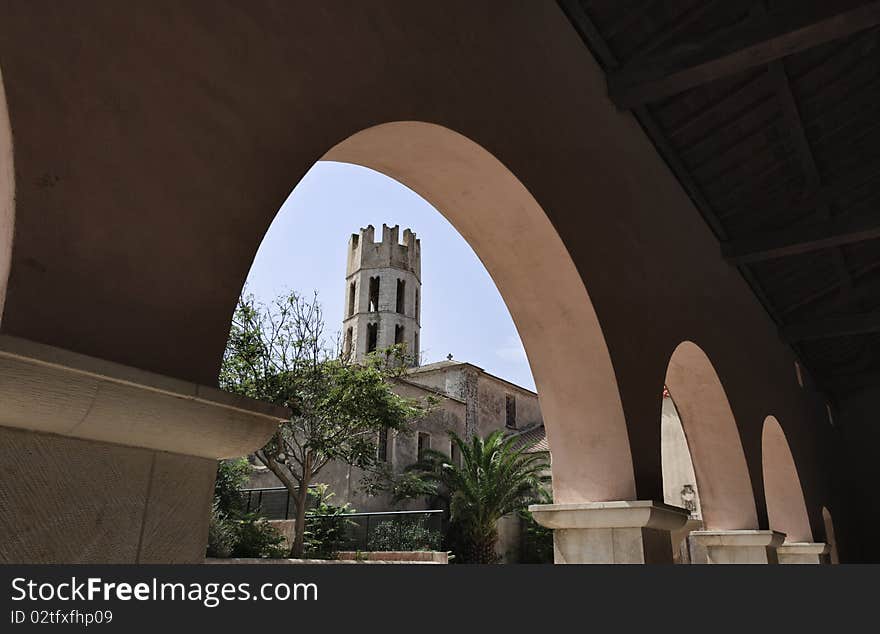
{"x": 302, "y": 496}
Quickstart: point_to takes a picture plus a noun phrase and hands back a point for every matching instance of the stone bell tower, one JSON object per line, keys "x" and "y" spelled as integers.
{"x": 383, "y": 284}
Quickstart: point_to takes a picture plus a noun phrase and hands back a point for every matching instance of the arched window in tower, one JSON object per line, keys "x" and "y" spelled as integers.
{"x": 346, "y": 346}
{"x": 372, "y": 337}
{"x": 374, "y": 294}
{"x": 417, "y": 304}
{"x": 401, "y": 296}
{"x": 398, "y": 334}
{"x": 352, "y": 297}
{"x": 415, "y": 350}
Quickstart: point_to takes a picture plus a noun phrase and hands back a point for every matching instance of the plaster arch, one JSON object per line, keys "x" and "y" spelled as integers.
{"x": 7, "y": 195}
{"x": 726, "y": 498}
{"x": 786, "y": 509}
{"x": 546, "y": 297}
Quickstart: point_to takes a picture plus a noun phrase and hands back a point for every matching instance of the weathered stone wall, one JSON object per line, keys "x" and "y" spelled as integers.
{"x": 390, "y": 261}
{"x": 491, "y": 406}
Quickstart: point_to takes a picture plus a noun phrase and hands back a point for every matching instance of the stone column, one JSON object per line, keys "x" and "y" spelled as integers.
{"x": 738, "y": 546}
{"x": 626, "y": 532}
{"x": 804, "y": 553}
{"x": 104, "y": 463}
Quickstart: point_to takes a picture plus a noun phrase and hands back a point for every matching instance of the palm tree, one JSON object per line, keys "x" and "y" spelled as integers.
{"x": 495, "y": 477}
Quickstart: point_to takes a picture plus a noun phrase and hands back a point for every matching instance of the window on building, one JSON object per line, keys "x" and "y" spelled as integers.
{"x": 415, "y": 350}
{"x": 417, "y": 304}
{"x": 346, "y": 346}
{"x": 382, "y": 446}
{"x": 401, "y": 296}
{"x": 454, "y": 455}
{"x": 372, "y": 337}
{"x": 374, "y": 295}
{"x": 424, "y": 444}
{"x": 398, "y": 333}
{"x": 510, "y": 407}
{"x": 352, "y": 298}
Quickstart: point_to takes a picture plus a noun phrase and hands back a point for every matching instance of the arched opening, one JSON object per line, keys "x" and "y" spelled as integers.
{"x": 541, "y": 287}
{"x": 830, "y": 537}
{"x": 7, "y": 196}
{"x": 786, "y": 509}
{"x": 725, "y": 489}
{"x": 679, "y": 478}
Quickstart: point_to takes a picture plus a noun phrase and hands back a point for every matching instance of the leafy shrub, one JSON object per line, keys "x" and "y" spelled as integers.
{"x": 231, "y": 531}
{"x": 256, "y": 537}
{"x": 222, "y": 533}
{"x": 326, "y": 525}
{"x": 537, "y": 540}
{"x": 407, "y": 534}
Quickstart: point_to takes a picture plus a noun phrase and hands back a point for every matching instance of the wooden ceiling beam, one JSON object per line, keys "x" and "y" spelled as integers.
{"x": 828, "y": 327}
{"x": 799, "y": 239}
{"x": 756, "y": 43}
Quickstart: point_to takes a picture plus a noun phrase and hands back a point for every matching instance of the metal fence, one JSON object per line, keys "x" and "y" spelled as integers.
{"x": 275, "y": 503}
{"x": 361, "y": 527}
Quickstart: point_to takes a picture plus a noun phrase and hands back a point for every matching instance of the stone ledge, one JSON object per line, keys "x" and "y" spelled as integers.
{"x": 402, "y": 556}
{"x": 55, "y": 391}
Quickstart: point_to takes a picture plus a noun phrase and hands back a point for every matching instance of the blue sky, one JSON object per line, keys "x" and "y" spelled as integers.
{"x": 305, "y": 250}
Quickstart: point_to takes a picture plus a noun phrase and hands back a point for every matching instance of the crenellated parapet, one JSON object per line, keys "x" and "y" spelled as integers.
{"x": 365, "y": 253}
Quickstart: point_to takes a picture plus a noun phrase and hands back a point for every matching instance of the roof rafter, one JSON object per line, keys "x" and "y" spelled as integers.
{"x": 799, "y": 239}
{"x": 755, "y": 43}
{"x": 828, "y": 327}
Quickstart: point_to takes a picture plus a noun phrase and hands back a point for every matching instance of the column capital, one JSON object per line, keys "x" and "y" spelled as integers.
{"x": 619, "y": 532}
{"x": 748, "y": 546}
{"x": 614, "y": 514}
{"x": 803, "y": 553}
{"x": 741, "y": 538}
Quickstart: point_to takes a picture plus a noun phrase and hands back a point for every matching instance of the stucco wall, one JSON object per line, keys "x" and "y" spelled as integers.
{"x": 346, "y": 481}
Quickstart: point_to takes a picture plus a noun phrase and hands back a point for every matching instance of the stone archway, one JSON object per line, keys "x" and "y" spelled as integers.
{"x": 521, "y": 250}
{"x": 679, "y": 478}
{"x": 786, "y": 509}
{"x": 726, "y": 497}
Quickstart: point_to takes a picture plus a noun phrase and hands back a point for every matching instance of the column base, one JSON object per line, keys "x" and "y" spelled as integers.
{"x": 738, "y": 547}
{"x": 804, "y": 553}
{"x": 624, "y": 532}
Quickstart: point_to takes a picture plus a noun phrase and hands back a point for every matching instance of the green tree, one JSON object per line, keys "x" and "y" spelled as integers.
{"x": 278, "y": 353}
{"x": 495, "y": 477}
{"x": 232, "y": 475}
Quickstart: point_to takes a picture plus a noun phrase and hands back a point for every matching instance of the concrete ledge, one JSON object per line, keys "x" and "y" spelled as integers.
{"x": 55, "y": 391}
{"x": 402, "y": 556}
{"x": 616, "y": 514}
